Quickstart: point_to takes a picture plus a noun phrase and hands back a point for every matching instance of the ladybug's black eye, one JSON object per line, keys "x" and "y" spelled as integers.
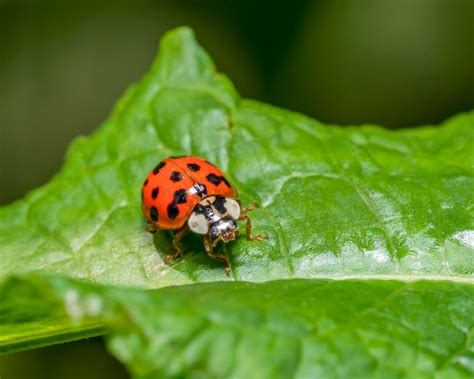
{"x": 214, "y": 231}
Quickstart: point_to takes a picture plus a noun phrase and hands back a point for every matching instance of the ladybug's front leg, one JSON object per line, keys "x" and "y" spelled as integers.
{"x": 248, "y": 225}
{"x": 209, "y": 245}
{"x": 177, "y": 247}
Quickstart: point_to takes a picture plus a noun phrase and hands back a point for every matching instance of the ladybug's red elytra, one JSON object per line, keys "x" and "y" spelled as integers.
{"x": 191, "y": 194}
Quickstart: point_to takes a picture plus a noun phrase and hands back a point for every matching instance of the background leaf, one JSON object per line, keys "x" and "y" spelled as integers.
{"x": 281, "y": 329}
{"x": 348, "y": 203}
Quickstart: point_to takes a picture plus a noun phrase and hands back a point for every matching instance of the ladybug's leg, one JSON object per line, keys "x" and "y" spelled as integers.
{"x": 209, "y": 246}
{"x": 150, "y": 228}
{"x": 177, "y": 247}
{"x": 248, "y": 225}
{"x": 249, "y": 208}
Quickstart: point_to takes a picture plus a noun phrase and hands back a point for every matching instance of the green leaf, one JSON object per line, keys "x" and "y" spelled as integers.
{"x": 347, "y": 203}
{"x": 282, "y": 329}
{"x": 335, "y": 201}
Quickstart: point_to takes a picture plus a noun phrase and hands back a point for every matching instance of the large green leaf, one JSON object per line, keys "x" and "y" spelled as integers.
{"x": 348, "y": 203}
{"x": 282, "y": 329}
{"x": 335, "y": 201}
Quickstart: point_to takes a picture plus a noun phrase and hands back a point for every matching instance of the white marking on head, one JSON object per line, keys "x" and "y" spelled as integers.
{"x": 198, "y": 224}
{"x": 233, "y": 208}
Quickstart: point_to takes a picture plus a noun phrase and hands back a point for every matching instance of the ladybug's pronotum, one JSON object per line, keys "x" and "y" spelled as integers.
{"x": 191, "y": 194}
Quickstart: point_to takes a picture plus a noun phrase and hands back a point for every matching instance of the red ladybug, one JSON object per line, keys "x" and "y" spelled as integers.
{"x": 191, "y": 194}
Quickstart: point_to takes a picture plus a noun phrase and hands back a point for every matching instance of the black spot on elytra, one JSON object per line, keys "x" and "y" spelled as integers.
{"x": 201, "y": 189}
{"x": 154, "y": 214}
{"x": 214, "y": 179}
{"x": 158, "y": 167}
{"x": 217, "y": 179}
{"x": 145, "y": 182}
{"x": 172, "y": 210}
{"x": 226, "y": 181}
{"x": 175, "y": 176}
{"x": 219, "y": 204}
{"x": 194, "y": 167}
{"x": 154, "y": 193}
{"x": 179, "y": 196}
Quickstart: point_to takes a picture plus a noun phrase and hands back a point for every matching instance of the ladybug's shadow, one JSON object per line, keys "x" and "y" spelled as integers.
{"x": 193, "y": 254}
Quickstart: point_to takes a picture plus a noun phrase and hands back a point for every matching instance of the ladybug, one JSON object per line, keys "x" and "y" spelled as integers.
{"x": 191, "y": 194}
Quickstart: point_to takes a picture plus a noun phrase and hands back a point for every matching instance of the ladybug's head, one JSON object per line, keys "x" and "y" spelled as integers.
{"x": 216, "y": 216}
{"x": 225, "y": 228}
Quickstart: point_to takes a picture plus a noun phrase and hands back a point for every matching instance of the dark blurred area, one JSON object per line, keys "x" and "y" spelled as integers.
{"x": 63, "y": 65}
{"x": 397, "y": 63}
{"x": 79, "y": 360}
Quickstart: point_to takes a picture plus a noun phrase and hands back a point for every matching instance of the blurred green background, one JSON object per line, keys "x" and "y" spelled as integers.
{"x": 63, "y": 65}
